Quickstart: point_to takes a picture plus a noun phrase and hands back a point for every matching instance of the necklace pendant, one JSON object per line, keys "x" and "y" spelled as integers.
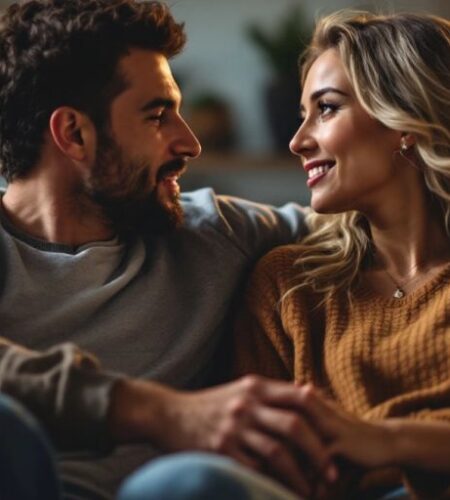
{"x": 399, "y": 293}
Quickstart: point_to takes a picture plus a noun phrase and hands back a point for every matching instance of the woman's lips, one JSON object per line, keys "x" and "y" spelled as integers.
{"x": 317, "y": 172}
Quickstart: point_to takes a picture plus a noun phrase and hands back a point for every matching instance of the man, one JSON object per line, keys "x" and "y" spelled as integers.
{"x": 100, "y": 251}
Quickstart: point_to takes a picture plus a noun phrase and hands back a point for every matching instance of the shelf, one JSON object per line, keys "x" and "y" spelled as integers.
{"x": 267, "y": 179}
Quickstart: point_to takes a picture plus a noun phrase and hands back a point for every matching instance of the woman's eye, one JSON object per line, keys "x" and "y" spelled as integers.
{"x": 327, "y": 108}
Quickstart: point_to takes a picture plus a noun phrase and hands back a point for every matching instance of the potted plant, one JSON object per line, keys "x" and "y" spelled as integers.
{"x": 281, "y": 49}
{"x": 210, "y": 119}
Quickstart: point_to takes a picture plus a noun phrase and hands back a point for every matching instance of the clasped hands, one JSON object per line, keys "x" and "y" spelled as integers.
{"x": 292, "y": 433}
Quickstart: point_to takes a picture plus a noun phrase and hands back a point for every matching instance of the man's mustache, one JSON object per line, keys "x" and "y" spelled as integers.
{"x": 171, "y": 167}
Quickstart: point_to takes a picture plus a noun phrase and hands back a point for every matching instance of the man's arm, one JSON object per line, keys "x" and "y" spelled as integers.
{"x": 257, "y": 228}
{"x": 253, "y": 420}
{"x": 64, "y": 389}
{"x": 254, "y": 228}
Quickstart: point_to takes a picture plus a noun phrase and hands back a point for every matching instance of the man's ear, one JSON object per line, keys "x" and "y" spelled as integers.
{"x": 73, "y": 132}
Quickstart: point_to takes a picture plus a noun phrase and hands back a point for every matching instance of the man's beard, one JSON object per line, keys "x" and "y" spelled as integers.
{"x": 119, "y": 187}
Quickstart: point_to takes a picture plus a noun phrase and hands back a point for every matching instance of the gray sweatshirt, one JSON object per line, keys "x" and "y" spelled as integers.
{"x": 155, "y": 310}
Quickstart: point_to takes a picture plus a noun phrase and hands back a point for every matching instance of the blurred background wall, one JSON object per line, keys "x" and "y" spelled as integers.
{"x": 223, "y": 66}
{"x": 226, "y": 74}
{"x": 221, "y": 59}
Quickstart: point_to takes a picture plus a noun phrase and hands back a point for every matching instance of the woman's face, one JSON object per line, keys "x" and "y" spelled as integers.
{"x": 349, "y": 157}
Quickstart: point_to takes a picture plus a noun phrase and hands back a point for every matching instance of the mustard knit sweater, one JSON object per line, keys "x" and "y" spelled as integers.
{"x": 379, "y": 357}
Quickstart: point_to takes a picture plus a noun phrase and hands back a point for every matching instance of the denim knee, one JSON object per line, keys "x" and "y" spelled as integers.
{"x": 185, "y": 476}
{"x": 28, "y": 469}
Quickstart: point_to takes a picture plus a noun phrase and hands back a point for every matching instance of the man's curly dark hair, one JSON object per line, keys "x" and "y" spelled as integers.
{"x": 65, "y": 53}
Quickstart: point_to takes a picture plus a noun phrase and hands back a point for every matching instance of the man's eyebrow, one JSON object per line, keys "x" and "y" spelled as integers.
{"x": 319, "y": 93}
{"x": 158, "y": 102}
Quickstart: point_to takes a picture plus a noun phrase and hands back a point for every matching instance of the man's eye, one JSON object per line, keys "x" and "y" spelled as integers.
{"x": 155, "y": 118}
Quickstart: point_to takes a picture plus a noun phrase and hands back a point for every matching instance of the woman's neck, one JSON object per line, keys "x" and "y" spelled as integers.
{"x": 416, "y": 242}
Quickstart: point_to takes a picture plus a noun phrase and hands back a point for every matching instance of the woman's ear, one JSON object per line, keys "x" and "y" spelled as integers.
{"x": 72, "y": 132}
{"x": 407, "y": 141}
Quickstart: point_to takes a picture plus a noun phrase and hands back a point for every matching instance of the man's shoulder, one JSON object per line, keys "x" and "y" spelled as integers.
{"x": 207, "y": 204}
{"x": 200, "y": 206}
{"x": 204, "y": 205}
{"x": 253, "y": 227}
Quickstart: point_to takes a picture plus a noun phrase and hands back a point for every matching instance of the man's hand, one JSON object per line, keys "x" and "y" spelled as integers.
{"x": 254, "y": 420}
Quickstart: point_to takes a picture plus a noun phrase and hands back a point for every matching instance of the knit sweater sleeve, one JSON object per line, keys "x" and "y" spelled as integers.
{"x": 64, "y": 389}
{"x": 261, "y": 344}
{"x": 423, "y": 484}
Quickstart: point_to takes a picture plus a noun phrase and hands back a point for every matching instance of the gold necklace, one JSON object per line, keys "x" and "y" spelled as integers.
{"x": 400, "y": 292}
{"x": 400, "y": 287}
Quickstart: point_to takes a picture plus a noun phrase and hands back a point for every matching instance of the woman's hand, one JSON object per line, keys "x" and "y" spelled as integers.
{"x": 255, "y": 420}
{"x": 367, "y": 444}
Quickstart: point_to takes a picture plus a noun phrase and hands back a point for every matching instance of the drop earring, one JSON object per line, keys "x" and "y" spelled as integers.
{"x": 404, "y": 145}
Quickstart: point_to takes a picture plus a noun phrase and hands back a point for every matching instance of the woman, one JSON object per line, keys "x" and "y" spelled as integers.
{"x": 361, "y": 307}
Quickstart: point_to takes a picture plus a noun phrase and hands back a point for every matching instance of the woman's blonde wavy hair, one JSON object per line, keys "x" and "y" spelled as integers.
{"x": 399, "y": 67}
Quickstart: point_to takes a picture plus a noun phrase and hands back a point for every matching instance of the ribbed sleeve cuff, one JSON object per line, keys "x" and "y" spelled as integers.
{"x": 65, "y": 389}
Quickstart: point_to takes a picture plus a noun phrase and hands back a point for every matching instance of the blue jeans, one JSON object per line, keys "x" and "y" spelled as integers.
{"x": 397, "y": 494}
{"x": 200, "y": 476}
{"x": 203, "y": 476}
{"x": 28, "y": 471}
{"x": 27, "y": 467}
